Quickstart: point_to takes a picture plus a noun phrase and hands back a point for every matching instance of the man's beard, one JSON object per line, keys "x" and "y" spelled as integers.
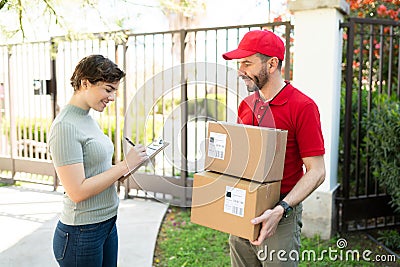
{"x": 258, "y": 81}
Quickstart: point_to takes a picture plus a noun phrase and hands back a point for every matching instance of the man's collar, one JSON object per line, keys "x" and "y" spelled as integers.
{"x": 280, "y": 99}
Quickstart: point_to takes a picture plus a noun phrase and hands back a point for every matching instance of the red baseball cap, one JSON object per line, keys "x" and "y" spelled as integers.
{"x": 258, "y": 41}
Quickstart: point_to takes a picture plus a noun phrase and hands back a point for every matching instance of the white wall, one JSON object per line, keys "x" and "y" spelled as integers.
{"x": 317, "y": 72}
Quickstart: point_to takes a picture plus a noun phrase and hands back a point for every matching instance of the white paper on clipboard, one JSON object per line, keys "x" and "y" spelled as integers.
{"x": 151, "y": 150}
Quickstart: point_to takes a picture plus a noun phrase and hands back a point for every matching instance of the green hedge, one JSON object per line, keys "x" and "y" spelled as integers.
{"x": 383, "y": 142}
{"x": 27, "y": 127}
{"x": 354, "y": 132}
{"x": 379, "y": 134}
{"x": 213, "y": 106}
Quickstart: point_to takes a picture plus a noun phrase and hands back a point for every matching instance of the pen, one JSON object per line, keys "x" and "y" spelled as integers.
{"x": 129, "y": 141}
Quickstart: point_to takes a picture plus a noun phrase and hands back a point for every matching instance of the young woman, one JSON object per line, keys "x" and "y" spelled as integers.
{"x": 86, "y": 233}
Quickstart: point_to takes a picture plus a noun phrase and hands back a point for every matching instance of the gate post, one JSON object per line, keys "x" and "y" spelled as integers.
{"x": 184, "y": 119}
{"x": 317, "y": 72}
{"x": 53, "y": 93}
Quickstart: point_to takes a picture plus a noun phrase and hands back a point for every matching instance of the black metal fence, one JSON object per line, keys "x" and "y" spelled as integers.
{"x": 176, "y": 81}
{"x": 372, "y": 68}
{"x": 26, "y": 112}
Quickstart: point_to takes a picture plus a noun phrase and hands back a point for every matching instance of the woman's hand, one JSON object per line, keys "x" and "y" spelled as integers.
{"x": 135, "y": 156}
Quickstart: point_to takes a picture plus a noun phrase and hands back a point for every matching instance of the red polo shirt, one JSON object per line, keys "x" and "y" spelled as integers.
{"x": 295, "y": 112}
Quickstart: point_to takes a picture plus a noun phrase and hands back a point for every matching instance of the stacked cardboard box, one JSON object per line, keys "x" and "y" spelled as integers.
{"x": 244, "y": 167}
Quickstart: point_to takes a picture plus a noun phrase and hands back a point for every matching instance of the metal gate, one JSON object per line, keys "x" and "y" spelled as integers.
{"x": 372, "y": 68}
{"x": 185, "y": 91}
{"x": 176, "y": 81}
{"x": 26, "y": 112}
{"x": 34, "y": 83}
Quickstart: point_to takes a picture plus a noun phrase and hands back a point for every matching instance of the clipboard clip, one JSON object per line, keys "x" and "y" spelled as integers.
{"x": 156, "y": 144}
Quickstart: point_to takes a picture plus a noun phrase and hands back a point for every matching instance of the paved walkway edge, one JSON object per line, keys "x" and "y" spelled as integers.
{"x": 28, "y": 217}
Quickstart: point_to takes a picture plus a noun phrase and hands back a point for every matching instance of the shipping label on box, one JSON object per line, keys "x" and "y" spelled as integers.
{"x": 235, "y": 198}
{"x": 217, "y": 145}
{"x": 245, "y": 151}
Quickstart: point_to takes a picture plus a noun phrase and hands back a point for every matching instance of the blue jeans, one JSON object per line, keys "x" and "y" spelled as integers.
{"x": 90, "y": 245}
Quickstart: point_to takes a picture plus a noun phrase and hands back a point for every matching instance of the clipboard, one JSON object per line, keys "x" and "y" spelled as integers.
{"x": 151, "y": 150}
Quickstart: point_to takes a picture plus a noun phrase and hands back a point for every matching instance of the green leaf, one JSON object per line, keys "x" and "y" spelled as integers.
{"x": 3, "y": 3}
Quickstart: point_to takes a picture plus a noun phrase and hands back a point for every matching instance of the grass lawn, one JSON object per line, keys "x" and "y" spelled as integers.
{"x": 182, "y": 243}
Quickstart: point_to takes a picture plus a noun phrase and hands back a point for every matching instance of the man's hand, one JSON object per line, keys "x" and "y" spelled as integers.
{"x": 269, "y": 219}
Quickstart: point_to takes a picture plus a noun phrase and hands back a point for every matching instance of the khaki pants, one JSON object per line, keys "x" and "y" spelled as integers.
{"x": 282, "y": 249}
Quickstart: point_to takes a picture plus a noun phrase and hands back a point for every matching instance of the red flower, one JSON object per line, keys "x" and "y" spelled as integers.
{"x": 368, "y": 2}
{"x": 382, "y": 10}
{"x": 394, "y": 2}
{"x": 356, "y": 64}
{"x": 393, "y": 14}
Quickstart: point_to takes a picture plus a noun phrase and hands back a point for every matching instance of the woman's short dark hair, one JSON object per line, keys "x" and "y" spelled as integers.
{"x": 96, "y": 68}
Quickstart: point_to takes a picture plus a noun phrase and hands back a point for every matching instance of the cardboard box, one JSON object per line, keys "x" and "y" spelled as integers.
{"x": 252, "y": 152}
{"x": 227, "y": 204}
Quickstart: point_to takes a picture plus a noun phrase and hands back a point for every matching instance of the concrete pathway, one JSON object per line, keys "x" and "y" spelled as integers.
{"x": 28, "y": 217}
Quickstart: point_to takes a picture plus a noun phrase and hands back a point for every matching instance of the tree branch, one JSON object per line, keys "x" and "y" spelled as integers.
{"x": 20, "y": 15}
{"x": 50, "y": 7}
{"x": 144, "y": 5}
